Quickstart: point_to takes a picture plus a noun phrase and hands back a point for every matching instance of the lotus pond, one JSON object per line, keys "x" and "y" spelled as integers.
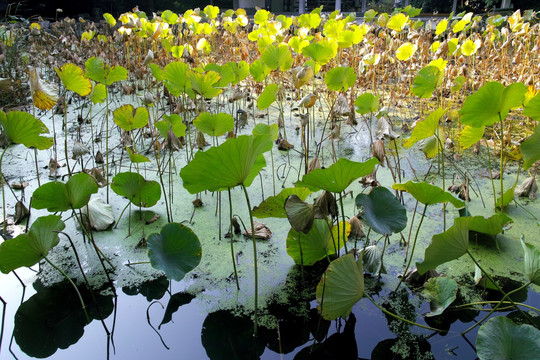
{"x": 209, "y": 185}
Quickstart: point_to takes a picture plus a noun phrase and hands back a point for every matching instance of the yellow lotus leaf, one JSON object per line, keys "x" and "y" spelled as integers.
{"x": 397, "y": 22}
{"x": 44, "y": 95}
{"x": 406, "y": 51}
{"x": 441, "y": 27}
{"x": 73, "y": 79}
{"x": 435, "y": 46}
{"x": 439, "y": 64}
{"x": 468, "y": 48}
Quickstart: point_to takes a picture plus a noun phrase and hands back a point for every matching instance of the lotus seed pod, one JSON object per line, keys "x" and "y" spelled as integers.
{"x": 379, "y": 151}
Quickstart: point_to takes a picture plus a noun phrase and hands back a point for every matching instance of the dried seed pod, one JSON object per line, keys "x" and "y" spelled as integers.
{"x": 284, "y": 145}
{"x": 21, "y": 212}
{"x": 147, "y": 99}
{"x": 149, "y": 58}
{"x": 356, "y": 228}
{"x": 241, "y": 118}
{"x": 448, "y": 143}
{"x": 172, "y": 142}
{"x": 379, "y": 151}
{"x": 79, "y": 149}
{"x": 53, "y": 168}
{"x": 99, "y": 158}
{"x": 262, "y": 232}
{"x": 197, "y": 203}
{"x": 314, "y": 164}
{"x": 304, "y": 119}
{"x": 325, "y": 205}
{"x": 527, "y": 188}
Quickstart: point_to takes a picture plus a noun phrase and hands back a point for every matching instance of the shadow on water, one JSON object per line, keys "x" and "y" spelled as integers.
{"x": 52, "y": 319}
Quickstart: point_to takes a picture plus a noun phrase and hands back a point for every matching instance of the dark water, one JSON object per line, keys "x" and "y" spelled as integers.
{"x": 50, "y": 323}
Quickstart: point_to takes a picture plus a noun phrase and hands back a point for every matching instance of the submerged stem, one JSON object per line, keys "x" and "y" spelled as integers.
{"x": 231, "y": 232}
{"x": 256, "y": 274}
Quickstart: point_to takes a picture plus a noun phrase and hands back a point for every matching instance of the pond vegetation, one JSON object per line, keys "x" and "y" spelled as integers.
{"x": 384, "y": 156}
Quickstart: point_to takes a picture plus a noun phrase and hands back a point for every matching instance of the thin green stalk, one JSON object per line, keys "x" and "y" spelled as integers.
{"x": 3, "y": 193}
{"x": 231, "y": 232}
{"x": 344, "y": 224}
{"x": 106, "y": 142}
{"x": 505, "y": 295}
{"x": 301, "y": 255}
{"x": 491, "y": 178}
{"x": 414, "y": 245}
{"x": 74, "y": 287}
{"x": 395, "y": 316}
{"x": 462, "y": 306}
{"x": 502, "y": 160}
{"x": 66, "y": 136}
{"x": 255, "y": 318}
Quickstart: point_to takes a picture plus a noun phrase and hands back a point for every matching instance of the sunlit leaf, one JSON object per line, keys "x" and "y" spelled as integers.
{"x": 397, "y": 22}
{"x": 214, "y": 125}
{"x": 530, "y": 148}
{"x": 225, "y": 166}
{"x": 406, "y": 51}
{"x": 426, "y": 81}
{"x": 268, "y": 96}
{"x": 458, "y": 83}
{"x": 129, "y": 118}
{"x": 57, "y": 196}
{"x": 136, "y": 158}
{"x": 532, "y": 108}
{"x": 277, "y": 56}
{"x": 339, "y": 175}
{"x": 268, "y": 130}
{"x": 203, "y": 84}
{"x": 321, "y": 51}
{"x": 109, "y": 19}
{"x": 98, "y": 94}
{"x": 73, "y": 79}
{"x": 425, "y": 128}
{"x": 29, "y": 248}
{"x": 367, "y": 103}
{"x": 428, "y": 194}
{"x": 259, "y": 70}
{"x": 470, "y": 136}
{"x": 136, "y": 189}
{"x": 175, "y": 78}
{"x": 340, "y": 78}
{"x": 468, "y": 48}
{"x": 171, "y": 122}
{"x": 22, "y": 128}
{"x": 531, "y": 262}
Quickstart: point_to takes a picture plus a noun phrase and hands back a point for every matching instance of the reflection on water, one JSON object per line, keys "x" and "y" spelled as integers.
{"x": 51, "y": 323}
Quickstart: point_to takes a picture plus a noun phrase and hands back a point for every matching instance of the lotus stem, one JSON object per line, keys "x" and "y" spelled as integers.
{"x": 395, "y": 316}
{"x": 4, "y": 303}
{"x": 501, "y": 165}
{"x": 413, "y": 246}
{"x": 3, "y": 193}
{"x": 344, "y": 224}
{"x": 74, "y": 287}
{"x": 462, "y": 306}
{"x": 256, "y": 274}
{"x": 231, "y": 232}
{"x": 505, "y": 295}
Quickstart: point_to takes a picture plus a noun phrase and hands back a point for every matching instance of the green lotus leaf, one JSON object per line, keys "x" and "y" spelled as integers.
{"x": 261, "y": 16}
{"x": 372, "y": 259}
{"x": 440, "y": 291}
{"x": 29, "y": 248}
{"x": 274, "y": 206}
{"x": 426, "y": 81}
{"x": 470, "y": 135}
{"x": 225, "y": 71}
{"x": 57, "y": 196}
{"x": 157, "y": 72}
{"x": 530, "y": 148}
{"x": 23, "y": 128}
{"x": 277, "y": 56}
{"x": 500, "y": 338}
{"x": 259, "y": 70}
{"x": 367, "y": 103}
{"x": 136, "y": 189}
{"x": 169, "y": 17}
{"x": 268, "y": 96}
{"x": 339, "y": 175}
{"x": 310, "y": 21}
{"x": 493, "y": 99}
{"x": 340, "y": 78}
{"x": 135, "y": 157}
{"x": 382, "y": 211}
{"x": 176, "y": 250}
{"x": 506, "y": 198}
{"x": 73, "y": 79}
{"x": 203, "y": 84}
{"x": 225, "y": 166}
{"x": 446, "y": 246}
{"x": 429, "y": 146}
{"x": 425, "y": 128}
{"x": 428, "y": 194}
{"x": 97, "y": 71}
{"x": 214, "y": 125}
{"x": 128, "y": 118}
{"x": 320, "y": 51}
{"x": 176, "y": 80}
{"x": 299, "y": 213}
{"x": 317, "y": 243}
{"x": 369, "y": 15}
{"x": 98, "y": 94}
{"x": 269, "y": 130}
{"x": 531, "y": 262}
{"x": 491, "y": 226}
{"x": 115, "y": 73}
{"x": 532, "y": 108}
{"x": 171, "y": 122}
{"x": 458, "y": 83}
{"x": 341, "y": 286}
